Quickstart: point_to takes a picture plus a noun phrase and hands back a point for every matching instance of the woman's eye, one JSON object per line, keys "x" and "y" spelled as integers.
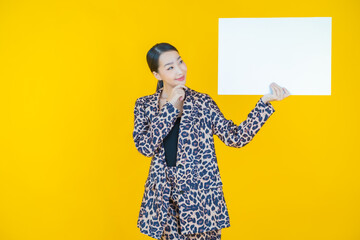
{"x": 181, "y": 61}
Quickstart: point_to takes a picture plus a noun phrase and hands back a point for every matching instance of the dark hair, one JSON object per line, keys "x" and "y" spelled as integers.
{"x": 153, "y": 56}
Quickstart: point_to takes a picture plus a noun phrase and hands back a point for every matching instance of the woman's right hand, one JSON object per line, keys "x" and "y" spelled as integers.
{"x": 177, "y": 94}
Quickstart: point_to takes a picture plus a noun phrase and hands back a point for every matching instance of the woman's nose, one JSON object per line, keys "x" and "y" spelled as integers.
{"x": 179, "y": 71}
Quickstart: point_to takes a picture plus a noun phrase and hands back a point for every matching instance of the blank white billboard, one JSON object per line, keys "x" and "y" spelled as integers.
{"x": 293, "y": 52}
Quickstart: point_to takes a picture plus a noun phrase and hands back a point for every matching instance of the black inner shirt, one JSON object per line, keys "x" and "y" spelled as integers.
{"x": 170, "y": 144}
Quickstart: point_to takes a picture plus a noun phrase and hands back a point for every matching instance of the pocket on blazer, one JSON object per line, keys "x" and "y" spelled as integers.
{"x": 212, "y": 203}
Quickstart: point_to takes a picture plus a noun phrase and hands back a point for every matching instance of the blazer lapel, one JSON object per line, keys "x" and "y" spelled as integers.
{"x": 188, "y": 121}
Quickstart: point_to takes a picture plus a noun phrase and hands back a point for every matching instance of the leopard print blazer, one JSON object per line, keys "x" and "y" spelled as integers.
{"x": 202, "y": 205}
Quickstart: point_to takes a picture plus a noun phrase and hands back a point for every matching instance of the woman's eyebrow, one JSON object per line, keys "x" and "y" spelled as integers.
{"x": 172, "y": 62}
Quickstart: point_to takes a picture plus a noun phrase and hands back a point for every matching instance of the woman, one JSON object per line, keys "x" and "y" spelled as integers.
{"x": 183, "y": 197}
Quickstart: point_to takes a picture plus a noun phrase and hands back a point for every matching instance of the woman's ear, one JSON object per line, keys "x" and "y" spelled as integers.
{"x": 157, "y": 75}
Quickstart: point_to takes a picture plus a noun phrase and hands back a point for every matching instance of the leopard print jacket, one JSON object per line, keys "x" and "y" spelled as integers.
{"x": 202, "y": 205}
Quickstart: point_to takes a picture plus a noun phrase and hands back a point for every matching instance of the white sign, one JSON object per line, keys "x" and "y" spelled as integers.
{"x": 295, "y": 53}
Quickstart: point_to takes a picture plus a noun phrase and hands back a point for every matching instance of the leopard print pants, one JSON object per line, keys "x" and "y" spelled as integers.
{"x": 172, "y": 227}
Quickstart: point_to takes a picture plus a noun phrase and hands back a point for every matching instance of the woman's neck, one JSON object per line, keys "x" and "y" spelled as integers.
{"x": 165, "y": 93}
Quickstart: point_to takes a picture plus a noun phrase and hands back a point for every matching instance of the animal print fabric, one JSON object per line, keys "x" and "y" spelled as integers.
{"x": 172, "y": 230}
{"x": 199, "y": 188}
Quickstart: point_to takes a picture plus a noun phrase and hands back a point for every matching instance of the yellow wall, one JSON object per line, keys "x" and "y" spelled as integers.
{"x": 70, "y": 73}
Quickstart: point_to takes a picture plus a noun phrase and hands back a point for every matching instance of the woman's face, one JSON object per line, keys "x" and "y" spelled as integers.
{"x": 172, "y": 69}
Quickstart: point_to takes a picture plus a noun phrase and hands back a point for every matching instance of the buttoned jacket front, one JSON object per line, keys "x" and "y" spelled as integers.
{"x": 201, "y": 201}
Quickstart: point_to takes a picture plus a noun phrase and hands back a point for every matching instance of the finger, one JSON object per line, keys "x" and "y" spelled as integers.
{"x": 273, "y": 92}
{"x": 179, "y": 89}
{"x": 178, "y": 86}
{"x": 277, "y": 94}
{"x": 181, "y": 86}
{"x": 287, "y": 93}
{"x": 274, "y": 84}
{"x": 181, "y": 93}
{"x": 281, "y": 93}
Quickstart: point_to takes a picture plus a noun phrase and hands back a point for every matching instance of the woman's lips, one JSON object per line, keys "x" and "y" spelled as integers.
{"x": 181, "y": 79}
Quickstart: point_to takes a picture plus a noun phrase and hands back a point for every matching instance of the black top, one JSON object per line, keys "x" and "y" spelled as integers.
{"x": 170, "y": 144}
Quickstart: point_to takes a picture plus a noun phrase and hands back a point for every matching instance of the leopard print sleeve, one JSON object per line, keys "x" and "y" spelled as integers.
{"x": 239, "y": 135}
{"x": 148, "y": 135}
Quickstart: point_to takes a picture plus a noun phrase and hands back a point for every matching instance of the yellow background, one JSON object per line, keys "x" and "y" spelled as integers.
{"x": 70, "y": 73}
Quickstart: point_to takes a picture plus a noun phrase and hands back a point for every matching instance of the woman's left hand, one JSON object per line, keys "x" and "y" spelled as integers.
{"x": 278, "y": 94}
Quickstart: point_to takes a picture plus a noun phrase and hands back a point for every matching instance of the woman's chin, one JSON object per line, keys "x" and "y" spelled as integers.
{"x": 180, "y": 82}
